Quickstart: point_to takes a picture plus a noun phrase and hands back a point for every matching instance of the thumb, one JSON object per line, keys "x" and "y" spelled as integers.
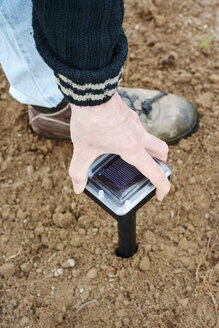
{"x": 78, "y": 170}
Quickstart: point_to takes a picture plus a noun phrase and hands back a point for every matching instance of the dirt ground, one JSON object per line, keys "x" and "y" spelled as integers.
{"x": 57, "y": 261}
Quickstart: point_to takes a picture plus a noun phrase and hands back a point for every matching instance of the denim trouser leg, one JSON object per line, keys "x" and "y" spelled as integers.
{"x": 31, "y": 80}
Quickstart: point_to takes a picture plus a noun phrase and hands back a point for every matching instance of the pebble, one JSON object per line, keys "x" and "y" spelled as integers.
{"x": 183, "y": 244}
{"x": 192, "y": 180}
{"x": 160, "y": 20}
{"x": 179, "y": 161}
{"x": 92, "y": 273}
{"x": 30, "y": 169}
{"x": 70, "y": 263}
{"x": 151, "y": 39}
{"x": 7, "y": 270}
{"x": 190, "y": 227}
{"x": 205, "y": 100}
{"x": 24, "y": 322}
{"x": 149, "y": 237}
{"x": 47, "y": 183}
{"x": 84, "y": 220}
{"x": 4, "y": 96}
{"x": 214, "y": 78}
{"x": 20, "y": 214}
{"x": 62, "y": 220}
{"x": 75, "y": 273}
{"x": 3, "y": 84}
{"x": 57, "y": 272}
{"x": 26, "y": 267}
{"x": 183, "y": 301}
{"x": 217, "y": 267}
{"x": 144, "y": 264}
{"x": 125, "y": 322}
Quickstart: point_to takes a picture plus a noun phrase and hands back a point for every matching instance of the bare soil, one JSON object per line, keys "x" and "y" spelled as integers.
{"x": 172, "y": 281}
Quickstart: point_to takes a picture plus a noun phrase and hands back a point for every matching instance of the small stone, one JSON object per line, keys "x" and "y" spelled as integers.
{"x": 57, "y": 272}
{"x": 24, "y": 322}
{"x": 151, "y": 39}
{"x": 3, "y": 84}
{"x": 92, "y": 273}
{"x": 84, "y": 220}
{"x": 26, "y": 267}
{"x": 217, "y": 267}
{"x": 144, "y": 264}
{"x": 75, "y": 273}
{"x": 183, "y": 301}
{"x": 179, "y": 161}
{"x": 63, "y": 220}
{"x": 39, "y": 270}
{"x": 30, "y": 169}
{"x": 189, "y": 289}
{"x": 149, "y": 237}
{"x": 70, "y": 263}
{"x": 190, "y": 227}
{"x": 184, "y": 145}
{"x": 4, "y": 96}
{"x": 125, "y": 321}
{"x": 160, "y": 20}
{"x": 214, "y": 78}
{"x": 7, "y": 270}
{"x": 122, "y": 313}
{"x": 192, "y": 180}
{"x": 6, "y": 213}
{"x": 205, "y": 100}
{"x": 47, "y": 183}
{"x": 20, "y": 214}
{"x": 183, "y": 243}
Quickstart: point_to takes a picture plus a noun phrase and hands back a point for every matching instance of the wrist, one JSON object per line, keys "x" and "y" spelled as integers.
{"x": 108, "y": 114}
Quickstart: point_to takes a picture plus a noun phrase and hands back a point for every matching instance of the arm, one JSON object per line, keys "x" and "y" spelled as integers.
{"x": 84, "y": 43}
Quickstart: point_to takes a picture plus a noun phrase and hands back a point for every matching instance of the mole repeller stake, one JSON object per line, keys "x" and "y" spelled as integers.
{"x": 120, "y": 189}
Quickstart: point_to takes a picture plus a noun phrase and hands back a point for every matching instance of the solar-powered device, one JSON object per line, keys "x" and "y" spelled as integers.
{"x": 120, "y": 189}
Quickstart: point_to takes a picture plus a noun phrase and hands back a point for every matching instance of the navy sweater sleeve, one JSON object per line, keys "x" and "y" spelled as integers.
{"x": 85, "y": 45}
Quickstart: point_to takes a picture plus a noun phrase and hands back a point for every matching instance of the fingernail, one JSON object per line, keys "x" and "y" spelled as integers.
{"x": 160, "y": 197}
{"x": 78, "y": 189}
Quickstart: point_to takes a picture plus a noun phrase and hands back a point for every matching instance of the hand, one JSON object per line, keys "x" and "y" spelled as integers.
{"x": 114, "y": 128}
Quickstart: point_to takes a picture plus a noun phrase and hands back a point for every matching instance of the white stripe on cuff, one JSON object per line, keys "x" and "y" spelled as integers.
{"x": 98, "y": 86}
{"x": 88, "y": 96}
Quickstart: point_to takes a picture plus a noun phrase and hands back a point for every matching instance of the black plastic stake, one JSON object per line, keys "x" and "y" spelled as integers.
{"x": 127, "y": 235}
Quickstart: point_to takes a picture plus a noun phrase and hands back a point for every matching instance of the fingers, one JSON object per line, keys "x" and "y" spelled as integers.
{"x": 149, "y": 168}
{"x": 152, "y": 144}
{"x": 79, "y": 166}
{"x": 155, "y": 147}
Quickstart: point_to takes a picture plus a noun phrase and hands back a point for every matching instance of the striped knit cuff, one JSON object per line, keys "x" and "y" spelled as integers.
{"x": 89, "y": 94}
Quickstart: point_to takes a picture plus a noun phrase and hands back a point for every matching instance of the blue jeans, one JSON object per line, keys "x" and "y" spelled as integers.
{"x": 31, "y": 80}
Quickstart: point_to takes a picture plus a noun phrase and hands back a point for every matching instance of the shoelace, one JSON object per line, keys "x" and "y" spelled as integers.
{"x": 146, "y": 105}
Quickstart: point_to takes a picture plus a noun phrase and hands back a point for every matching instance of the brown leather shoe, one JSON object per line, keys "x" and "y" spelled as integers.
{"x": 51, "y": 122}
{"x": 164, "y": 115}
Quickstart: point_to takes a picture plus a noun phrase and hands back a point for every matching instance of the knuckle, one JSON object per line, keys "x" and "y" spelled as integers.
{"x": 159, "y": 175}
{"x": 132, "y": 144}
{"x": 165, "y": 148}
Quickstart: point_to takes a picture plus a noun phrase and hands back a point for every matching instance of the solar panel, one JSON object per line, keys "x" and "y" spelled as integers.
{"x": 117, "y": 184}
{"x": 119, "y": 177}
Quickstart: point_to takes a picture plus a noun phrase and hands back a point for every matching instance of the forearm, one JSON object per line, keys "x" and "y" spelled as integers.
{"x": 84, "y": 43}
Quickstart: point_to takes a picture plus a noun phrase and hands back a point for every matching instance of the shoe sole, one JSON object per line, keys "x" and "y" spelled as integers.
{"x": 48, "y": 136}
{"x": 192, "y": 130}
